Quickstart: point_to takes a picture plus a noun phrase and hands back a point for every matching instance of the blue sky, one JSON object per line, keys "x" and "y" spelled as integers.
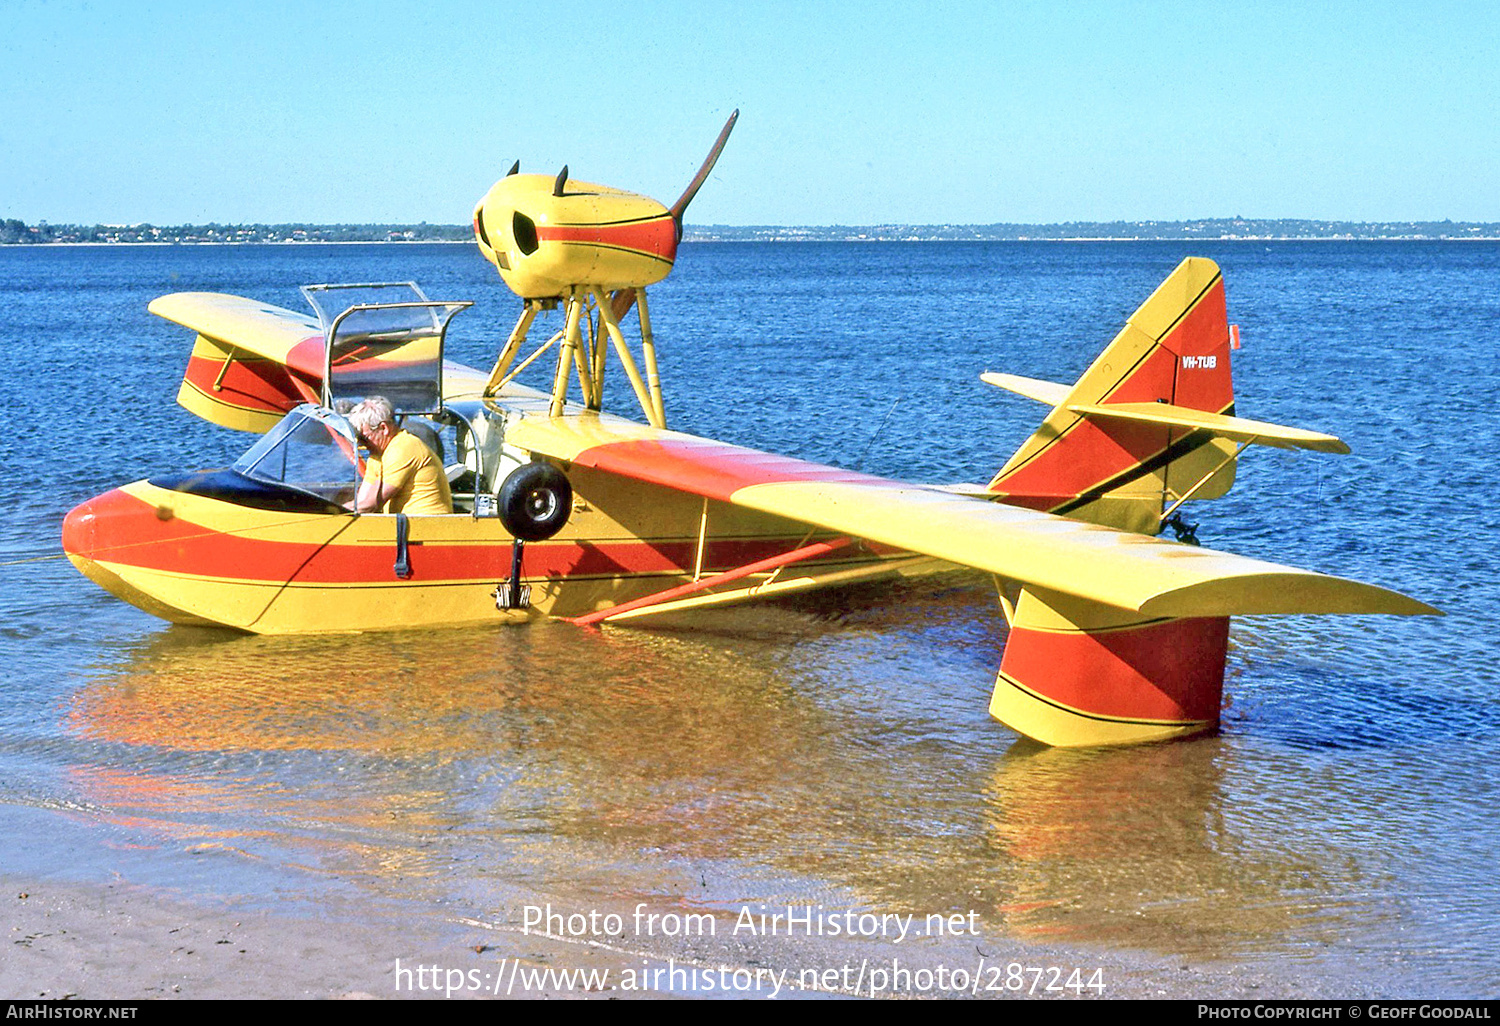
{"x": 852, "y": 113}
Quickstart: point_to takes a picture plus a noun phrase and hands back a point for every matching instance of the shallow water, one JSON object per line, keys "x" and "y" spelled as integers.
{"x": 833, "y": 749}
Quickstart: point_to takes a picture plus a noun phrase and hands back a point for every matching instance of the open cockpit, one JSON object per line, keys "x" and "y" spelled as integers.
{"x": 311, "y": 461}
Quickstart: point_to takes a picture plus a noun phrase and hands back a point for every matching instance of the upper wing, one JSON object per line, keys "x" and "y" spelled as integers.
{"x": 251, "y": 362}
{"x": 267, "y": 331}
{"x": 1129, "y": 571}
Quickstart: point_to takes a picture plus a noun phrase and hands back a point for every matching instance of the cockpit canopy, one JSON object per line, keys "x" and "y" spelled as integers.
{"x": 314, "y": 450}
{"x": 383, "y": 339}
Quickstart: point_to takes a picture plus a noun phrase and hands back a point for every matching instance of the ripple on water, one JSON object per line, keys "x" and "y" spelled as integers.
{"x": 834, "y": 748}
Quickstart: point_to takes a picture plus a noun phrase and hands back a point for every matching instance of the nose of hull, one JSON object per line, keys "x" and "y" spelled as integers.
{"x": 104, "y": 535}
{"x": 79, "y": 530}
{"x": 109, "y": 526}
{"x": 120, "y": 525}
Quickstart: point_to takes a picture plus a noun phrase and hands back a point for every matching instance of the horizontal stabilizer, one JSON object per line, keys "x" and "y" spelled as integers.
{"x": 1049, "y": 392}
{"x": 1235, "y": 428}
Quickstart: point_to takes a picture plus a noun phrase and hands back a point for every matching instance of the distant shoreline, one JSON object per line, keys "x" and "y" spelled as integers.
{"x": 1223, "y": 229}
{"x": 284, "y": 242}
{"x": 779, "y": 240}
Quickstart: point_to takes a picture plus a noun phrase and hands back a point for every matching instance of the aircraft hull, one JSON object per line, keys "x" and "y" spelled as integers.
{"x": 196, "y": 559}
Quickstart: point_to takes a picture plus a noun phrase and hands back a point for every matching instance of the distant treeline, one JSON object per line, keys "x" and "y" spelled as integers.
{"x": 1206, "y": 228}
{"x": 14, "y": 232}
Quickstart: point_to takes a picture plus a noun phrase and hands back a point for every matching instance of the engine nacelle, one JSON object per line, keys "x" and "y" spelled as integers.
{"x": 546, "y": 235}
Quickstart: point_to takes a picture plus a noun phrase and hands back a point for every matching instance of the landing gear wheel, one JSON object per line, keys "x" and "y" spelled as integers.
{"x": 535, "y": 501}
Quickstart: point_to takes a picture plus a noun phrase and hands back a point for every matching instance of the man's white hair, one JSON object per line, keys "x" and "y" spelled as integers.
{"x": 370, "y": 414}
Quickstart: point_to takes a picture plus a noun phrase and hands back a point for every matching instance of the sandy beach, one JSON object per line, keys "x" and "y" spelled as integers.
{"x": 124, "y": 942}
{"x": 116, "y": 941}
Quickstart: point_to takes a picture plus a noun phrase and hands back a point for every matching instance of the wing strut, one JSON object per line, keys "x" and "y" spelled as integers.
{"x": 794, "y": 556}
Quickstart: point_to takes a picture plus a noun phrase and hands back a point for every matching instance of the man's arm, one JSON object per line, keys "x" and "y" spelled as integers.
{"x": 373, "y": 493}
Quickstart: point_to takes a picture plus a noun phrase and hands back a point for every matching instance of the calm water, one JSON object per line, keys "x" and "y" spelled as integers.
{"x": 834, "y": 749}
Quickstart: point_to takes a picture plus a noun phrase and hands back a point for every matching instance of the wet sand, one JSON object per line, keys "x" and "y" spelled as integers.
{"x": 119, "y": 941}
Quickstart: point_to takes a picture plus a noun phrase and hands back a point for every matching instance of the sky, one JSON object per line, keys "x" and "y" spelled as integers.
{"x": 851, "y": 113}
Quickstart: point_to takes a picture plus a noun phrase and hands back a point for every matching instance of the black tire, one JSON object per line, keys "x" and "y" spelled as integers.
{"x": 535, "y": 501}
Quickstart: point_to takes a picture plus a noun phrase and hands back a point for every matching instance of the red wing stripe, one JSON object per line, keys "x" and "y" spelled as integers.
{"x": 250, "y": 384}
{"x": 711, "y": 469}
{"x": 307, "y": 357}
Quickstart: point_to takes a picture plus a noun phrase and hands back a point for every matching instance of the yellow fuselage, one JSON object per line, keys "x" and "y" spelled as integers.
{"x": 210, "y": 558}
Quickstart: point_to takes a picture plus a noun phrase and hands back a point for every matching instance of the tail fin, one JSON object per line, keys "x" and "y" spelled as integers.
{"x": 1123, "y": 470}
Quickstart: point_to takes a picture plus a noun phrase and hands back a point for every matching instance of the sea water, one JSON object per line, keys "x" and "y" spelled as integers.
{"x": 831, "y": 750}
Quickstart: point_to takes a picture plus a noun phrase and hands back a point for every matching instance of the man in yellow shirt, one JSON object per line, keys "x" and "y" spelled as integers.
{"x": 402, "y": 475}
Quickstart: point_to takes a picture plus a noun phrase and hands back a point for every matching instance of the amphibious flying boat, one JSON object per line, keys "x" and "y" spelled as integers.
{"x": 562, "y": 509}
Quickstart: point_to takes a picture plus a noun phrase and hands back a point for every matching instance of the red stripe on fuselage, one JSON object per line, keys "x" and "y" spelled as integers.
{"x": 656, "y": 237}
{"x": 119, "y": 528}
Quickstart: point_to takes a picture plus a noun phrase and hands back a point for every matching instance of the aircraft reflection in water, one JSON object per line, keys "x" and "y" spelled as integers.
{"x": 1149, "y": 849}
{"x": 478, "y": 753}
{"x": 564, "y": 510}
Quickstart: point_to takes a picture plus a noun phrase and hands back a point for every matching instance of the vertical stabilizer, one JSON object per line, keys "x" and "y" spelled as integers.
{"x": 1123, "y": 473}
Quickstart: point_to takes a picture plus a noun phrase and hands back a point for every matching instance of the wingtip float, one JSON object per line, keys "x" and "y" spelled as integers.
{"x": 561, "y": 509}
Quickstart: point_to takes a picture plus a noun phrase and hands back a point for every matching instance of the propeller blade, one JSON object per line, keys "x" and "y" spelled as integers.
{"x": 681, "y": 205}
{"x": 622, "y": 300}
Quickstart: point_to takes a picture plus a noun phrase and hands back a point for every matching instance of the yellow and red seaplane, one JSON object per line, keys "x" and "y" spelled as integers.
{"x": 562, "y": 509}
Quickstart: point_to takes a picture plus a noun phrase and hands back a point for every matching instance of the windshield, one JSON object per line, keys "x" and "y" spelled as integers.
{"x": 312, "y": 450}
{"x": 331, "y": 300}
